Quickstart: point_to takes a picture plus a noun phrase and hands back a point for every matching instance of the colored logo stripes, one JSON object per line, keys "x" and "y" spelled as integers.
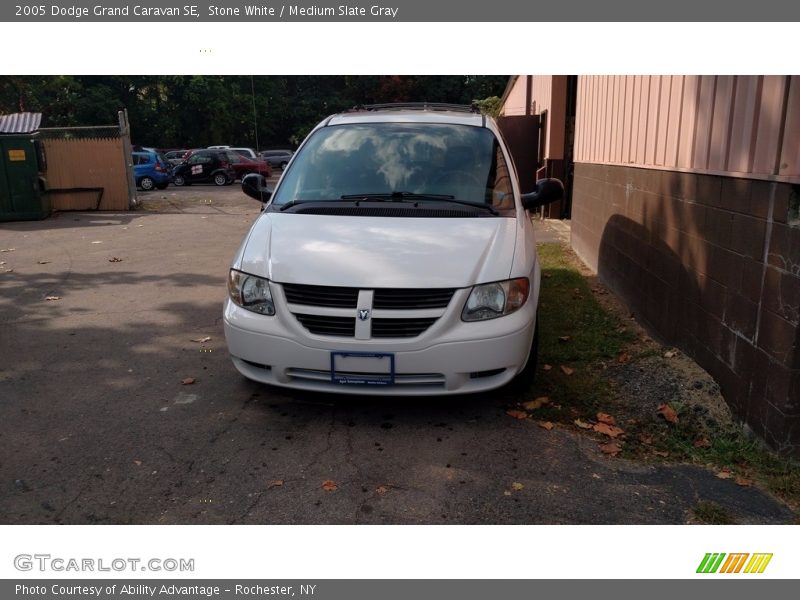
{"x": 734, "y": 563}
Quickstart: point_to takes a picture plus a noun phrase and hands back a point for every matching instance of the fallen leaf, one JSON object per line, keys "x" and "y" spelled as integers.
{"x": 565, "y": 338}
{"x": 51, "y": 298}
{"x": 596, "y": 476}
{"x": 702, "y": 443}
{"x": 567, "y": 370}
{"x": 2, "y": 262}
{"x": 43, "y": 262}
{"x": 114, "y": 259}
{"x": 97, "y": 242}
{"x": 582, "y": 424}
{"x": 605, "y": 418}
{"x": 138, "y": 463}
{"x": 9, "y": 271}
{"x": 274, "y": 483}
{"x": 547, "y": 367}
{"x": 623, "y": 357}
{"x": 646, "y": 438}
{"x": 516, "y": 486}
{"x": 187, "y": 381}
{"x": 545, "y": 425}
{"x": 534, "y": 404}
{"x": 611, "y": 431}
{"x": 743, "y": 481}
{"x": 662, "y": 453}
{"x": 670, "y": 353}
{"x": 612, "y": 448}
{"x": 7, "y": 249}
{"x": 329, "y": 486}
{"x": 725, "y": 474}
{"x": 666, "y": 411}
{"x": 381, "y": 490}
{"x": 506, "y": 493}
{"x": 517, "y": 414}
{"x": 202, "y": 340}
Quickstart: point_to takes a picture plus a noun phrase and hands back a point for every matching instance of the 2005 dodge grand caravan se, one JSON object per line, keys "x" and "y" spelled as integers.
{"x": 395, "y": 256}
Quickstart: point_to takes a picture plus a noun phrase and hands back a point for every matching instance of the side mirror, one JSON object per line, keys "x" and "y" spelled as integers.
{"x": 255, "y": 186}
{"x": 547, "y": 191}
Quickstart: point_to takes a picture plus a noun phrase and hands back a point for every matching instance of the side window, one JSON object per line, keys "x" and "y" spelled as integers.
{"x": 194, "y": 159}
{"x": 233, "y": 157}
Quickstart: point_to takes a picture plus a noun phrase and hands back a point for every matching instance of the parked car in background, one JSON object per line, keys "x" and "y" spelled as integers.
{"x": 151, "y": 169}
{"x": 175, "y": 157}
{"x": 246, "y": 152}
{"x": 205, "y": 166}
{"x": 277, "y": 158}
{"x": 244, "y": 166}
{"x": 218, "y": 147}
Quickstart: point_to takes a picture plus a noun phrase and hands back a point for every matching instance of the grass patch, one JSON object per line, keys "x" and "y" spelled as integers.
{"x": 576, "y": 331}
{"x": 711, "y": 513}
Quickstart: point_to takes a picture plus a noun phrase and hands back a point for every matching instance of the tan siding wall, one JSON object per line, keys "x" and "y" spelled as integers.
{"x": 87, "y": 163}
{"x": 747, "y": 126}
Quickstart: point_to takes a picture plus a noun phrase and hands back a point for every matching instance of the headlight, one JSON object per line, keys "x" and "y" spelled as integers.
{"x": 492, "y": 300}
{"x": 250, "y": 292}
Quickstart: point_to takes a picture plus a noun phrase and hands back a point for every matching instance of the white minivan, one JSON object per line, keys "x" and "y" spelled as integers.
{"x": 395, "y": 255}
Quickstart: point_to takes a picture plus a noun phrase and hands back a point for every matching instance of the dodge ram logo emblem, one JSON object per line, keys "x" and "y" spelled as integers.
{"x": 363, "y": 314}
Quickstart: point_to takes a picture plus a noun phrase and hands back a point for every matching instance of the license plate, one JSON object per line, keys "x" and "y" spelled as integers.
{"x": 362, "y": 368}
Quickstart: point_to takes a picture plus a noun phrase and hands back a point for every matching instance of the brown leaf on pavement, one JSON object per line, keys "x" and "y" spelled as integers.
{"x": 202, "y": 340}
{"x": 670, "y": 353}
{"x": 188, "y": 381}
{"x": 42, "y": 262}
{"x": 534, "y": 404}
{"x": 329, "y": 485}
{"x": 382, "y": 489}
{"x": 138, "y": 463}
{"x": 702, "y": 442}
{"x": 606, "y": 418}
{"x": 51, "y": 298}
{"x": 517, "y": 414}
{"x": 582, "y": 424}
{"x": 611, "y": 431}
{"x": 274, "y": 483}
{"x": 612, "y": 448}
{"x": 517, "y": 486}
{"x": 567, "y": 370}
{"x": 7, "y": 249}
{"x": 666, "y": 411}
{"x": 545, "y": 425}
{"x": 114, "y": 259}
{"x": 725, "y": 474}
{"x": 743, "y": 481}
{"x": 661, "y": 453}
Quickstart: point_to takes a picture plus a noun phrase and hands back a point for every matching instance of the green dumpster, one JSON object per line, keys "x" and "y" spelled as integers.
{"x": 22, "y": 196}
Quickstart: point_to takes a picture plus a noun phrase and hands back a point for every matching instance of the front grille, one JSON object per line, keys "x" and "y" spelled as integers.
{"x": 399, "y": 328}
{"x": 411, "y": 299}
{"x": 321, "y": 295}
{"x": 323, "y": 325}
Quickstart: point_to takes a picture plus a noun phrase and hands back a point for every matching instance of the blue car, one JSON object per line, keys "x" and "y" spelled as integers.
{"x": 151, "y": 170}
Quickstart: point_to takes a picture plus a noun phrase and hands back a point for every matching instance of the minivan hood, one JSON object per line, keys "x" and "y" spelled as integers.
{"x": 370, "y": 252}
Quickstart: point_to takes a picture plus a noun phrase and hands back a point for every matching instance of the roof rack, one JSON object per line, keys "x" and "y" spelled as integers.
{"x": 470, "y": 108}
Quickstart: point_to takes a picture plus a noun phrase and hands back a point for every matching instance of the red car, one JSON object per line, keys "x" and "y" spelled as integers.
{"x": 244, "y": 166}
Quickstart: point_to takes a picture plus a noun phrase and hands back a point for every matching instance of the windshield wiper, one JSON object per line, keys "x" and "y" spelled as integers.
{"x": 412, "y": 197}
{"x": 297, "y": 201}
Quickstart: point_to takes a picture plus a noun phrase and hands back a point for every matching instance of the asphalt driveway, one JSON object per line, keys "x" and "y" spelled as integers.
{"x": 104, "y": 316}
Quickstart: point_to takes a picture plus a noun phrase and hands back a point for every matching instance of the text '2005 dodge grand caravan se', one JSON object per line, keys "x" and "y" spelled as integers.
{"x": 395, "y": 256}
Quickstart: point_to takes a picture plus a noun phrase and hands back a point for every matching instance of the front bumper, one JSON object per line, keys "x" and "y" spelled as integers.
{"x": 452, "y": 357}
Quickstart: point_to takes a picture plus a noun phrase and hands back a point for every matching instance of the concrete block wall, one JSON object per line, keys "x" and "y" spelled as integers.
{"x": 712, "y": 265}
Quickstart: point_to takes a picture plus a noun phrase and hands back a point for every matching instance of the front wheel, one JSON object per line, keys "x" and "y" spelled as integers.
{"x": 178, "y": 180}
{"x": 147, "y": 183}
{"x": 524, "y": 379}
{"x": 220, "y": 179}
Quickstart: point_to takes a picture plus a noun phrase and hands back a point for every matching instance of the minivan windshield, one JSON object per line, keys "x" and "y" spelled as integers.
{"x": 461, "y": 163}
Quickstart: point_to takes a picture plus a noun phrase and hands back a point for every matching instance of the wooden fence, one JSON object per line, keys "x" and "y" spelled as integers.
{"x": 87, "y": 173}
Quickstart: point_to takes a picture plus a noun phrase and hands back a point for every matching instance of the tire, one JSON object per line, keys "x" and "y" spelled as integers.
{"x": 525, "y": 378}
{"x": 179, "y": 180}
{"x": 147, "y": 183}
{"x": 220, "y": 179}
